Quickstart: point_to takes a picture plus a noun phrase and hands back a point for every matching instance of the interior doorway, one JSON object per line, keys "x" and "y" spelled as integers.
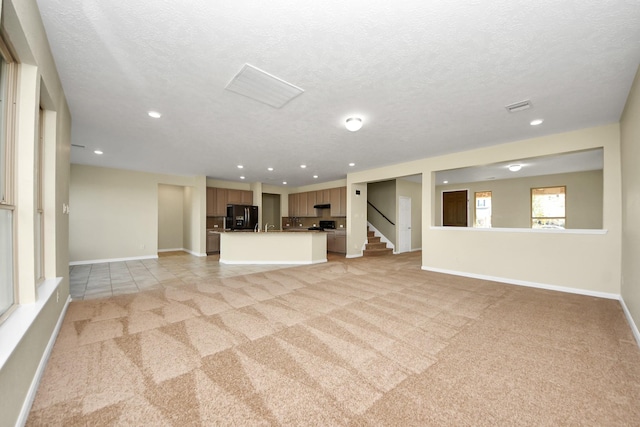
{"x": 455, "y": 210}
{"x": 271, "y": 211}
{"x": 404, "y": 224}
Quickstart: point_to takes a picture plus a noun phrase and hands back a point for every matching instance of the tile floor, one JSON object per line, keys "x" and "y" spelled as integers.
{"x": 91, "y": 281}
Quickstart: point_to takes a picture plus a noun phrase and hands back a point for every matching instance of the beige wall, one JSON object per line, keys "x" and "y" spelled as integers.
{"x": 382, "y": 195}
{"x": 114, "y": 213}
{"x": 630, "y": 154}
{"x": 189, "y": 221}
{"x": 585, "y": 261}
{"x": 511, "y": 199}
{"x": 24, "y": 31}
{"x": 412, "y": 190}
{"x": 170, "y": 217}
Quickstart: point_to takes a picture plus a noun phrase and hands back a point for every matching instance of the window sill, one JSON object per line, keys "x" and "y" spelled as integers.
{"x": 525, "y": 230}
{"x": 14, "y": 328}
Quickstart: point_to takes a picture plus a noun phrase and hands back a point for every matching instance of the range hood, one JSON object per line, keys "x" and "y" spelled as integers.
{"x": 323, "y": 206}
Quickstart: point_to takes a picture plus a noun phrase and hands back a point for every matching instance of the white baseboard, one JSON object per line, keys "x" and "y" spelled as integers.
{"x": 100, "y": 261}
{"x": 526, "y": 283}
{"x": 33, "y": 388}
{"x": 172, "y": 250}
{"x": 195, "y": 253}
{"x": 632, "y": 324}
{"x": 354, "y": 255}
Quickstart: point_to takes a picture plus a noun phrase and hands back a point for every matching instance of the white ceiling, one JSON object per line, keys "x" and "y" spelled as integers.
{"x": 428, "y": 78}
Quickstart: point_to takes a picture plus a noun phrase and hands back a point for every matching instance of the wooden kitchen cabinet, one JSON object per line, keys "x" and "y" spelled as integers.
{"x": 338, "y": 201}
{"x": 293, "y": 205}
{"x": 211, "y": 196}
{"x": 213, "y": 243}
{"x": 323, "y": 197}
{"x": 302, "y": 204}
{"x": 220, "y": 202}
{"x": 239, "y": 197}
{"x": 337, "y": 241}
{"x": 311, "y": 202}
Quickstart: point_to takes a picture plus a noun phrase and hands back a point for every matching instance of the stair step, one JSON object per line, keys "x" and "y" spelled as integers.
{"x": 373, "y": 239}
{"x": 376, "y": 245}
{"x": 377, "y": 252}
{"x": 370, "y": 233}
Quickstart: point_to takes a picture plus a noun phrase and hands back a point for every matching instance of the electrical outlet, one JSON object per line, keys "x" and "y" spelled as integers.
{"x": 57, "y": 296}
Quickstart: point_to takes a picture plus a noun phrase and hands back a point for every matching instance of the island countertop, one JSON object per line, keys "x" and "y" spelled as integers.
{"x": 300, "y": 247}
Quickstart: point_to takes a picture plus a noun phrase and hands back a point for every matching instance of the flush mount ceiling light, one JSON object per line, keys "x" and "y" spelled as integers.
{"x": 352, "y": 164}
{"x": 303, "y": 166}
{"x": 240, "y": 166}
{"x": 536, "y": 122}
{"x": 445, "y": 182}
{"x": 242, "y": 177}
{"x": 154, "y": 114}
{"x": 284, "y": 182}
{"x": 270, "y": 169}
{"x": 315, "y": 176}
{"x": 353, "y": 124}
{"x": 515, "y": 168}
{"x": 98, "y": 152}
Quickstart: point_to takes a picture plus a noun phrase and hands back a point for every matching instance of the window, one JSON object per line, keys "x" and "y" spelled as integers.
{"x": 548, "y": 207}
{"x": 39, "y": 205}
{"x": 482, "y": 217}
{"x": 7, "y": 207}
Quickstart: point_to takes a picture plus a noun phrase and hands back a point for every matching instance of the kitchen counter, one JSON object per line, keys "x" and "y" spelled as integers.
{"x": 300, "y": 247}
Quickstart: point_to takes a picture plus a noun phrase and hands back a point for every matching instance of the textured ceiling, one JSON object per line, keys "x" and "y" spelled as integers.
{"x": 428, "y": 78}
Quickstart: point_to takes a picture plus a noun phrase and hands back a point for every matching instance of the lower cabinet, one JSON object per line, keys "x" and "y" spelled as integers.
{"x": 213, "y": 243}
{"x": 337, "y": 241}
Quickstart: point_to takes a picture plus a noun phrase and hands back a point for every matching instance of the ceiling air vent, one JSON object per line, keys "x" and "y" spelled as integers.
{"x": 256, "y": 84}
{"x": 78, "y": 146}
{"x": 518, "y": 106}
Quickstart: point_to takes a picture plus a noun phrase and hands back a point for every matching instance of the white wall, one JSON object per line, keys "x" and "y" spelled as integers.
{"x": 589, "y": 262}
{"x": 25, "y": 33}
{"x": 170, "y": 217}
{"x": 630, "y": 151}
{"x": 114, "y": 213}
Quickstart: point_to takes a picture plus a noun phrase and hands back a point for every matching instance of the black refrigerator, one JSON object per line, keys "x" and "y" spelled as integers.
{"x": 242, "y": 217}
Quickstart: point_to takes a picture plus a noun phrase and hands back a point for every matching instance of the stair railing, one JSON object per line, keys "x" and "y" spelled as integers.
{"x": 378, "y": 210}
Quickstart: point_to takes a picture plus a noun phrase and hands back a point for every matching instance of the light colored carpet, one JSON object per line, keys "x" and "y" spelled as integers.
{"x": 370, "y": 341}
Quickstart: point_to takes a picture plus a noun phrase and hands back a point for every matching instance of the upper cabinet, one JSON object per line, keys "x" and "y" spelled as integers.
{"x": 219, "y": 198}
{"x": 239, "y": 197}
{"x": 338, "y": 200}
{"x": 302, "y": 204}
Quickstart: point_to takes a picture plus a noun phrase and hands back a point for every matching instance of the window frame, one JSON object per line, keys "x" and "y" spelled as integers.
{"x": 534, "y": 218}
{"x": 7, "y": 194}
{"x": 475, "y": 207}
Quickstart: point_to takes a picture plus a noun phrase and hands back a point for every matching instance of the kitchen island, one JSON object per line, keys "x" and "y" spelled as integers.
{"x": 274, "y": 247}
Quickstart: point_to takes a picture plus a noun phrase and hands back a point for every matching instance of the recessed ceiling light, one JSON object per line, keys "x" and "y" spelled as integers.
{"x": 240, "y": 166}
{"x": 154, "y": 114}
{"x": 303, "y": 166}
{"x": 515, "y": 168}
{"x": 98, "y": 152}
{"x": 353, "y": 124}
{"x": 315, "y": 176}
{"x": 445, "y": 182}
{"x": 269, "y": 169}
{"x": 536, "y": 122}
{"x": 242, "y": 177}
{"x": 352, "y": 164}
{"x": 284, "y": 182}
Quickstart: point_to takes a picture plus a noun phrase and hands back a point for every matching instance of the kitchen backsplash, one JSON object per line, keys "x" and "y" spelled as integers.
{"x": 341, "y": 222}
{"x": 212, "y": 222}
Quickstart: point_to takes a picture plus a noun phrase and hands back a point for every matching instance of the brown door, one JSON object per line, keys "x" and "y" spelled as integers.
{"x": 454, "y": 208}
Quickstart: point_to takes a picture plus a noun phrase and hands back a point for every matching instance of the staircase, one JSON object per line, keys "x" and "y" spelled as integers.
{"x": 375, "y": 247}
